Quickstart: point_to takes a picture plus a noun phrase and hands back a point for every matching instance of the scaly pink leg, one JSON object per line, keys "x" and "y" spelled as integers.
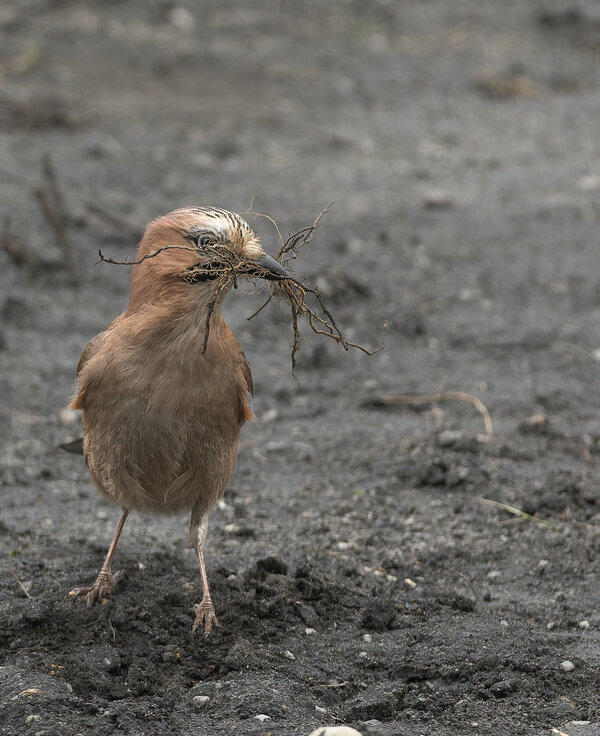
{"x": 205, "y": 610}
{"x": 105, "y": 581}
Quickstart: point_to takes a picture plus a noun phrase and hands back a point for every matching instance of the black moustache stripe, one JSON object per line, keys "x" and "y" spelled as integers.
{"x": 202, "y": 272}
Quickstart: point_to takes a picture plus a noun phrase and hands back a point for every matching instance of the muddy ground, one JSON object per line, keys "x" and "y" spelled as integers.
{"x": 358, "y": 577}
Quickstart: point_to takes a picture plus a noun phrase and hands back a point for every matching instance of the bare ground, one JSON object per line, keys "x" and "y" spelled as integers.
{"x": 358, "y": 577}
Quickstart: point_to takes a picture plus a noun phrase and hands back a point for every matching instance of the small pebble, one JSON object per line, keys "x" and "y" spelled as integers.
{"x": 410, "y": 583}
{"x": 367, "y": 637}
{"x": 437, "y": 199}
{"x": 503, "y": 622}
{"x": 309, "y": 631}
{"x": 288, "y": 655}
{"x": 567, "y": 665}
{"x": 551, "y": 625}
{"x": 362, "y": 655}
{"x": 320, "y": 709}
{"x": 200, "y": 701}
{"x": 32, "y": 718}
{"x": 493, "y": 574}
{"x": 262, "y": 717}
{"x": 585, "y": 624}
{"x": 336, "y": 731}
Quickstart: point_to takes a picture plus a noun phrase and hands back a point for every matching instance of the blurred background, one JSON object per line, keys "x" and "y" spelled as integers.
{"x": 459, "y": 142}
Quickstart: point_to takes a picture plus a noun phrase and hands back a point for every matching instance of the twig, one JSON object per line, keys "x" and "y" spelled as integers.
{"x": 52, "y": 205}
{"x": 443, "y": 396}
{"x": 16, "y": 577}
{"x": 249, "y": 211}
{"x": 302, "y": 237}
{"x": 520, "y": 513}
{"x": 145, "y": 257}
{"x": 18, "y": 252}
{"x": 295, "y": 292}
{"x": 334, "y": 684}
{"x": 210, "y": 309}
{"x": 259, "y": 310}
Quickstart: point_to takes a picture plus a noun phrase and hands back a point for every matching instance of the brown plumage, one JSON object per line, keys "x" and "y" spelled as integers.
{"x": 163, "y": 401}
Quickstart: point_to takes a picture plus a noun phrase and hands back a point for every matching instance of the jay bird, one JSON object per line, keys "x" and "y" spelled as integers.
{"x": 165, "y": 389}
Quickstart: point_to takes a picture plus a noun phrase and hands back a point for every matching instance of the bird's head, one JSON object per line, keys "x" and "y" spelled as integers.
{"x": 191, "y": 250}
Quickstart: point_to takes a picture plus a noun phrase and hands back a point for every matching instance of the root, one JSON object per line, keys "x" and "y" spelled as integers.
{"x": 223, "y": 263}
{"x": 444, "y": 396}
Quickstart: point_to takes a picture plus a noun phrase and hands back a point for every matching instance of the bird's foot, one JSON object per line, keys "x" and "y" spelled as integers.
{"x": 103, "y": 586}
{"x": 205, "y": 615}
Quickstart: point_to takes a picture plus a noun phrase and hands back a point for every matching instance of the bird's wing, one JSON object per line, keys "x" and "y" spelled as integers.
{"x": 247, "y": 372}
{"x": 90, "y": 350}
{"x": 95, "y": 344}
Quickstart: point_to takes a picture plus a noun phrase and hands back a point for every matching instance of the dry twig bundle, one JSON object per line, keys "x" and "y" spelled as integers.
{"x": 226, "y": 266}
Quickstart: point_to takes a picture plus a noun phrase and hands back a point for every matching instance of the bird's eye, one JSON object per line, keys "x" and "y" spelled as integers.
{"x": 204, "y": 241}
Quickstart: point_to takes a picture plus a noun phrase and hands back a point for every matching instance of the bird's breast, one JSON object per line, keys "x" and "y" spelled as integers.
{"x": 161, "y": 424}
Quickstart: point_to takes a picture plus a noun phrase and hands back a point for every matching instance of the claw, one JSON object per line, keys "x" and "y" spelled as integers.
{"x": 105, "y": 582}
{"x": 205, "y": 615}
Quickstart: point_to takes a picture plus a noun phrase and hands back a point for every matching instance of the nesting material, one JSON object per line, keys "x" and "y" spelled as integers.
{"x": 225, "y": 267}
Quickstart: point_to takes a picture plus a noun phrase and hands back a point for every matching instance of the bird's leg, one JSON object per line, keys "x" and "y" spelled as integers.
{"x": 105, "y": 581}
{"x": 205, "y": 610}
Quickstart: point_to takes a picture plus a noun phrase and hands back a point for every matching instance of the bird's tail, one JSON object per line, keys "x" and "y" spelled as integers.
{"x": 75, "y": 446}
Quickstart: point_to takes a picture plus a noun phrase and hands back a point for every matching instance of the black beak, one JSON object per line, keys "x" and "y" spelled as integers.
{"x": 268, "y": 268}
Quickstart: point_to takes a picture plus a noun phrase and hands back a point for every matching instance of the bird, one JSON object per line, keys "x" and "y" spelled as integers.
{"x": 165, "y": 389}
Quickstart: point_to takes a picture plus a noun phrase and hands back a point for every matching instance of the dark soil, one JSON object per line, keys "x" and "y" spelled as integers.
{"x": 357, "y": 575}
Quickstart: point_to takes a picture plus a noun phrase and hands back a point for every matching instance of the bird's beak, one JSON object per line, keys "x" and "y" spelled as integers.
{"x": 267, "y": 268}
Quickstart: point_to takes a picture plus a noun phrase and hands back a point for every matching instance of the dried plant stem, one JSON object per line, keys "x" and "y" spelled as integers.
{"x": 52, "y": 205}
{"x": 443, "y": 396}
{"x": 104, "y": 259}
{"x": 520, "y": 513}
{"x": 210, "y": 310}
{"x": 259, "y": 310}
{"x": 19, "y": 583}
{"x": 17, "y": 251}
{"x": 301, "y": 237}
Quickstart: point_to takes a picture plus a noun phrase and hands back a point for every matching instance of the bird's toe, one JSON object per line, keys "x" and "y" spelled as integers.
{"x": 205, "y": 616}
{"x": 101, "y": 589}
